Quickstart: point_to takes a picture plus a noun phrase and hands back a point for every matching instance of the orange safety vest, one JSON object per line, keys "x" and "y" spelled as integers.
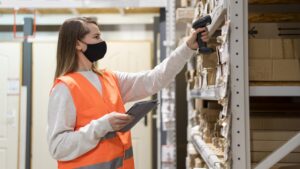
{"x": 114, "y": 151}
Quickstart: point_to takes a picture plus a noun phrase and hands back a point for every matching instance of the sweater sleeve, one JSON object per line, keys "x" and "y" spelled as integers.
{"x": 65, "y": 143}
{"x": 136, "y": 86}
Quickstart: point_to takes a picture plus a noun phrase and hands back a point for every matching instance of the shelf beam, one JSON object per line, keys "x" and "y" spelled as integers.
{"x": 104, "y": 19}
{"x": 274, "y": 90}
{"x": 282, "y": 8}
{"x": 82, "y": 4}
{"x": 206, "y": 94}
{"x": 208, "y": 155}
{"x": 210, "y": 93}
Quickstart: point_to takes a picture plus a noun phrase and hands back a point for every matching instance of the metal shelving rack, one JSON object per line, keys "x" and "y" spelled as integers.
{"x": 207, "y": 94}
{"x": 275, "y": 91}
{"x": 206, "y": 152}
{"x": 239, "y": 105}
{"x": 167, "y": 135}
{"x": 292, "y": 89}
{"x": 237, "y": 13}
{"x": 82, "y": 3}
{"x": 240, "y": 91}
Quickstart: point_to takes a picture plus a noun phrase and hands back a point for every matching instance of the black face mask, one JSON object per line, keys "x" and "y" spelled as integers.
{"x": 95, "y": 52}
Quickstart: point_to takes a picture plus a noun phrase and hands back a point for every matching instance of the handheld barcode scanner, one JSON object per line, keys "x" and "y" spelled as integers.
{"x": 200, "y": 23}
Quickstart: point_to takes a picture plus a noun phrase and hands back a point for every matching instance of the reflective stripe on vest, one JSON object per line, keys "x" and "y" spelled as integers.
{"x": 114, "y": 164}
{"x": 91, "y": 105}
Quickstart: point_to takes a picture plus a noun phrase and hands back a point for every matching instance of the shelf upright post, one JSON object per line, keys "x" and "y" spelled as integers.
{"x": 239, "y": 81}
{"x": 167, "y": 134}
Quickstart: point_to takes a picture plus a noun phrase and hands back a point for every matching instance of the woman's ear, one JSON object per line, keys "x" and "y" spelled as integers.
{"x": 78, "y": 45}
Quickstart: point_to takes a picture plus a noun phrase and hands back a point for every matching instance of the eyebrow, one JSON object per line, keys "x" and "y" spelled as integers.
{"x": 97, "y": 34}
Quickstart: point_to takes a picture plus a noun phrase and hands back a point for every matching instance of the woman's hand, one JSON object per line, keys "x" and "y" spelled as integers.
{"x": 192, "y": 39}
{"x": 119, "y": 120}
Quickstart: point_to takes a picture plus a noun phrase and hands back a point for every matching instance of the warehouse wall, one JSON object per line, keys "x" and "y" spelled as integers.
{"x": 122, "y": 56}
{"x": 44, "y": 66}
{"x": 9, "y": 103}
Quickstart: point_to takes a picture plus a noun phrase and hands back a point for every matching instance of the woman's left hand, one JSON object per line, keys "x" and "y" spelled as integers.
{"x": 192, "y": 39}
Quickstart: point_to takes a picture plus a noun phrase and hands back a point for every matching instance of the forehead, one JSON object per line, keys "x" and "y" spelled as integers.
{"x": 93, "y": 28}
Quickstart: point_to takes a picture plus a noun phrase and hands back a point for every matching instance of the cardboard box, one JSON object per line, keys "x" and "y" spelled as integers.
{"x": 274, "y": 48}
{"x": 297, "y": 48}
{"x": 275, "y": 123}
{"x": 259, "y": 49}
{"x": 292, "y": 166}
{"x": 260, "y": 70}
{"x": 198, "y": 104}
{"x": 211, "y": 76}
{"x": 286, "y": 70}
{"x": 274, "y": 70}
{"x": 210, "y": 115}
{"x": 281, "y": 166}
{"x": 210, "y": 60}
{"x": 185, "y": 15}
{"x": 271, "y": 135}
{"x": 185, "y": 3}
{"x": 288, "y": 49}
{"x": 214, "y": 105}
{"x": 266, "y": 146}
{"x": 290, "y": 158}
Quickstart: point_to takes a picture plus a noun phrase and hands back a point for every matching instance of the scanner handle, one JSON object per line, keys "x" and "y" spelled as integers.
{"x": 201, "y": 44}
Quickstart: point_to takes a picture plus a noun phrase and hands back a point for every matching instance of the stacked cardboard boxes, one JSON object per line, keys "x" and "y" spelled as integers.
{"x": 210, "y": 120}
{"x": 272, "y": 128}
{"x": 207, "y": 77}
{"x": 274, "y": 59}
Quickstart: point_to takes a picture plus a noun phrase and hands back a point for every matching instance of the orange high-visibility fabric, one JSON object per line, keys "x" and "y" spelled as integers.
{"x": 91, "y": 105}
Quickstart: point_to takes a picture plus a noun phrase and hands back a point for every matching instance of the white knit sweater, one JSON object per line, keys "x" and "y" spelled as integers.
{"x": 65, "y": 143}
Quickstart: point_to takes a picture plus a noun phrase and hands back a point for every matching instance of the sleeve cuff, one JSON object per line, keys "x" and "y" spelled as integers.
{"x": 102, "y": 126}
{"x": 106, "y": 123}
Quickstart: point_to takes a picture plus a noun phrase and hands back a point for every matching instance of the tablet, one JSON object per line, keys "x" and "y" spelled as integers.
{"x": 138, "y": 111}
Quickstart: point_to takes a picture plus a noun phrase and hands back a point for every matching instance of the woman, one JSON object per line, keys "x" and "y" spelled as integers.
{"x": 86, "y": 106}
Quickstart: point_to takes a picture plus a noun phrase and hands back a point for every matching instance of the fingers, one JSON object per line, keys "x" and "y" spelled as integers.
{"x": 122, "y": 116}
{"x": 191, "y": 41}
{"x": 118, "y": 127}
{"x": 119, "y": 120}
{"x": 204, "y": 39}
{"x": 203, "y": 29}
{"x": 204, "y": 33}
{"x": 204, "y": 36}
{"x": 122, "y": 121}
